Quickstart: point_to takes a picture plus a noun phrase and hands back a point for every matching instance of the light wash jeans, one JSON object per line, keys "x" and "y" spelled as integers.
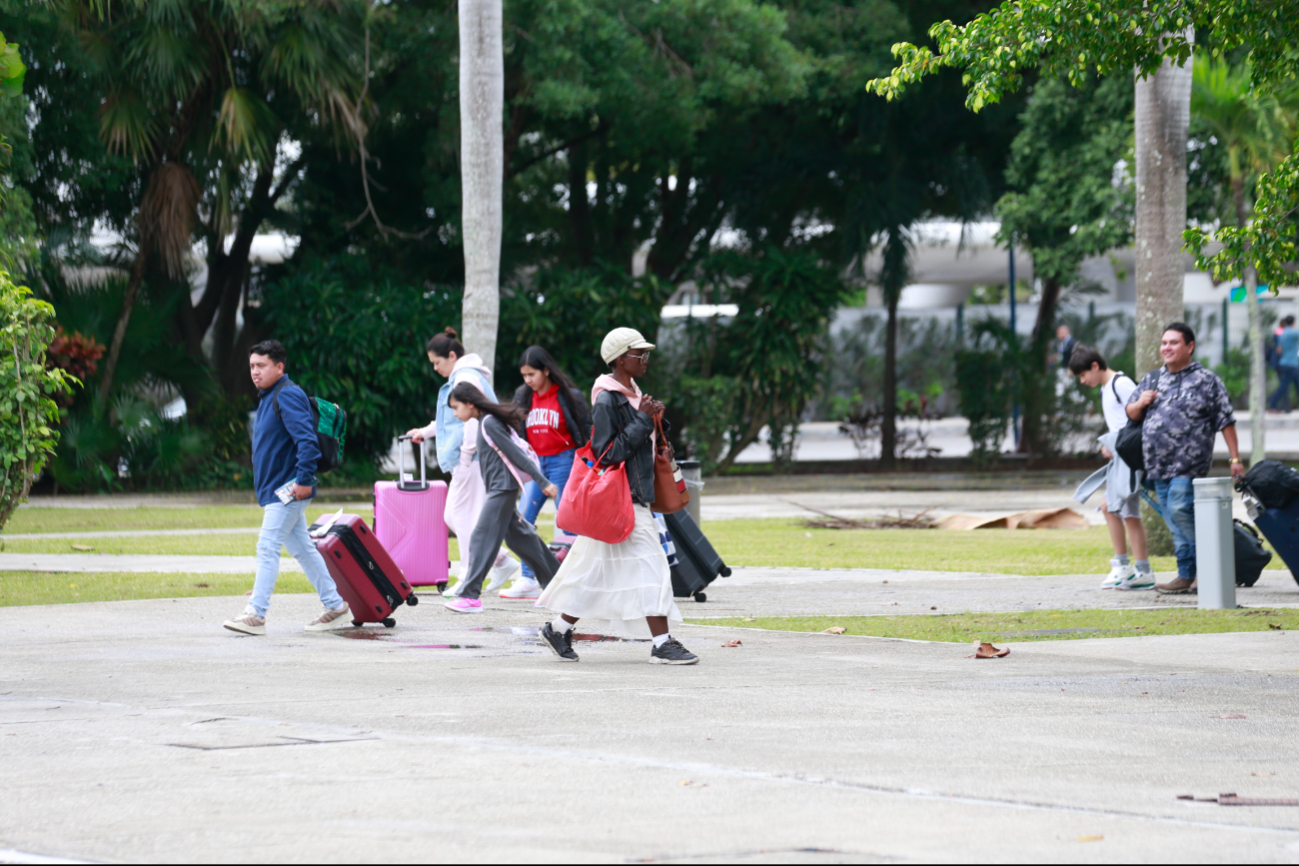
{"x": 1177, "y": 499}
{"x": 556, "y": 467}
{"x": 286, "y": 526}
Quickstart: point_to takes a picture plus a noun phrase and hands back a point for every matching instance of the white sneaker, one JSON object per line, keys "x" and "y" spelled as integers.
{"x": 501, "y": 575}
{"x": 454, "y": 588}
{"x": 248, "y": 622}
{"x": 522, "y": 587}
{"x": 1137, "y": 580}
{"x": 1118, "y": 574}
{"x": 331, "y": 619}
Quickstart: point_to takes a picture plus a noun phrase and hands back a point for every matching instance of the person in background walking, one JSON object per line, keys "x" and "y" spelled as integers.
{"x": 558, "y": 423}
{"x": 1287, "y": 364}
{"x": 627, "y": 585}
{"x": 1122, "y": 503}
{"x": 285, "y": 455}
{"x": 1181, "y": 407}
{"x": 1064, "y": 346}
{"x": 499, "y": 520}
{"x": 466, "y": 494}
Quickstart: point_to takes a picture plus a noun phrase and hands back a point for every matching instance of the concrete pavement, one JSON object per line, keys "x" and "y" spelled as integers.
{"x": 142, "y": 731}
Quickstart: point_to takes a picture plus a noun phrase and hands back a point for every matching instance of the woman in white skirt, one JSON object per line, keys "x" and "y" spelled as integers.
{"x": 627, "y": 587}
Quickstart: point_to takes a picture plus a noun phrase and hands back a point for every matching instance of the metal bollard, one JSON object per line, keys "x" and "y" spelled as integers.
{"x": 1215, "y": 544}
{"x": 693, "y": 474}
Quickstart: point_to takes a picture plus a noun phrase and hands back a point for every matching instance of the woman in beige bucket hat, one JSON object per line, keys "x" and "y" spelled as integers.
{"x": 626, "y": 586}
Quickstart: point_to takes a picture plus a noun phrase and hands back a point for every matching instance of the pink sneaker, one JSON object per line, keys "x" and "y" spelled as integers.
{"x": 464, "y": 605}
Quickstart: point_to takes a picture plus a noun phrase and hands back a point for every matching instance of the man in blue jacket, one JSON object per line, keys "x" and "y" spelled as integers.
{"x": 285, "y": 454}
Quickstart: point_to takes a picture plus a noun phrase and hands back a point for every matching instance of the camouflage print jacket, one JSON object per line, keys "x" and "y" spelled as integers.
{"x": 1180, "y": 426}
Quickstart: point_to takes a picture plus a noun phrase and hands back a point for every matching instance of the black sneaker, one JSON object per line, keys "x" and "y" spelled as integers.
{"x": 672, "y": 653}
{"x": 560, "y": 644}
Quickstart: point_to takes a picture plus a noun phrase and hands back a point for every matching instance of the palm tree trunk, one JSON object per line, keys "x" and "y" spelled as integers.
{"x": 482, "y": 166}
{"x": 123, "y": 319}
{"x": 1163, "y": 115}
{"x": 1257, "y": 363}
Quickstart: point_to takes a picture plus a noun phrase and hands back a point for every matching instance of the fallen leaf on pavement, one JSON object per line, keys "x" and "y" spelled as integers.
{"x": 731, "y": 643}
{"x": 988, "y": 651}
{"x": 1091, "y": 838}
{"x": 1262, "y": 774}
{"x": 835, "y": 629}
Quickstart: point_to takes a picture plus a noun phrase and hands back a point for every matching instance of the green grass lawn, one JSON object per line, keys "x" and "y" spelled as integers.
{"x": 777, "y": 542}
{"x": 33, "y": 587}
{"x": 766, "y": 542}
{"x": 1031, "y": 625}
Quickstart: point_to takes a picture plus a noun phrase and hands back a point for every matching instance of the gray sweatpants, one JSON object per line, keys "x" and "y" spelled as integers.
{"x": 498, "y": 522}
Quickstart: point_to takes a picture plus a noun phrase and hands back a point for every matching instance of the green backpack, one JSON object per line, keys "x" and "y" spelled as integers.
{"x": 331, "y": 428}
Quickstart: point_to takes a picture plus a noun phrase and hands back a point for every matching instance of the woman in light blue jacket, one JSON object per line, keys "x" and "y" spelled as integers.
{"x": 456, "y": 445}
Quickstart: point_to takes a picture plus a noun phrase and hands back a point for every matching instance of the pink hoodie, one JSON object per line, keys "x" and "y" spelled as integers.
{"x": 633, "y": 394}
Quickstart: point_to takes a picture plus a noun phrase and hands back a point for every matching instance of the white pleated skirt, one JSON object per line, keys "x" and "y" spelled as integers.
{"x": 613, "y": 587}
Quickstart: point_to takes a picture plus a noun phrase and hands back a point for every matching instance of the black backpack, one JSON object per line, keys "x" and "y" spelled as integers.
{"x": 1273, "y": 483}
{"x": 1251, "y": 557}
{"x": 330, "y": 422}
{"x": 1128, "y": 443}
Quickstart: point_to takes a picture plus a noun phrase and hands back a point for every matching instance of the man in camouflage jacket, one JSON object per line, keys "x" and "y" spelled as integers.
{"x": 1182, "y": 406}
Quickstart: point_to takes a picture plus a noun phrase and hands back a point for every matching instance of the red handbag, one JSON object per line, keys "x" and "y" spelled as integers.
{"x": 597, "y": 500}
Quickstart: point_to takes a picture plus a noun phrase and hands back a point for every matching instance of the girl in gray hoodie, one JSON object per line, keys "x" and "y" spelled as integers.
{"x": 499, "y": 521}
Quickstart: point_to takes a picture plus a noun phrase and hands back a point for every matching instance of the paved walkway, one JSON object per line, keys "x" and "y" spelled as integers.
{"x": 781, "y": 592}
{"x": 142, "y": 731}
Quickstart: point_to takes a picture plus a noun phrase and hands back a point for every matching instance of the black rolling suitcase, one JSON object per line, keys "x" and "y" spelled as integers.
{"x": 697, "y": 563}
{"x": 1271, "y": 491}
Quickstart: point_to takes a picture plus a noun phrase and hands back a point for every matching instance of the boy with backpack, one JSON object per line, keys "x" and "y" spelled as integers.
{"x": 1122, "y": 505}
{"x": 286, "y": 456}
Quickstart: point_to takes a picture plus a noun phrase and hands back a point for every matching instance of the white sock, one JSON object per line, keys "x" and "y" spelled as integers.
{"x": 1121, "y": 558}
{"x": 561, "y": 625}
{"x": 662, "y": 639}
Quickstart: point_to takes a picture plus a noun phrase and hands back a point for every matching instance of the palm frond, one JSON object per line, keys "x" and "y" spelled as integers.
{"x": 246, "y": 126}
{"x": 126, "y": 124}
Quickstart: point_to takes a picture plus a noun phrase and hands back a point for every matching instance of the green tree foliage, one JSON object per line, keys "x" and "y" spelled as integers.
{"x": 200, "y": 96}
{"x": 29, "y": 415}
{"x": 17, "y": 227}
{"x": 1071, "y": 37}
{"x": 569, "y": 311}
{"x": 763, "y": 367}
{"x": 356, "y": 338}
{"x": 1065, "y": 203}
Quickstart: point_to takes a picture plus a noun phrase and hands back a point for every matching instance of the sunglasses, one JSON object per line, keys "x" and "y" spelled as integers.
{"x": 643, "y": 356}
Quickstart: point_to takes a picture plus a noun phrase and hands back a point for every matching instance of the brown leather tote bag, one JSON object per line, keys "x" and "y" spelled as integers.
{"x": 670, "y": 495}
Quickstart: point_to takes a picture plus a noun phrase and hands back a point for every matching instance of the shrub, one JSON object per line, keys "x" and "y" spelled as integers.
{"x": 28, "y": 411}
{"x": 355, "y": 336}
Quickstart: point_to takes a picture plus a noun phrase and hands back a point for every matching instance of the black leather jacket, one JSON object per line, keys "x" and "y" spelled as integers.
{"x": 576, "y": 416}
{"x": 629, "y": 431}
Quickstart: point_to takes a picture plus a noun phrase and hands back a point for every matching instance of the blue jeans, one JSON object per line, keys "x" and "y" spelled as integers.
{"x": 1177, "y": 499}
{"x": 557, "y": 468}
{"x": 1289, "y": 377}
{"x": 286, "y": 526}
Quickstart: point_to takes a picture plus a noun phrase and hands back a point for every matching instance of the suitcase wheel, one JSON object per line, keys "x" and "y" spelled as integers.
{"x": 442, "y": 587}
{"x": 701, "y": 597}
{"x": 389, "y": 622}
{"x": 412, "y": 600}
{"x": 724, "y": 571}
{"x": 356, "y": 622}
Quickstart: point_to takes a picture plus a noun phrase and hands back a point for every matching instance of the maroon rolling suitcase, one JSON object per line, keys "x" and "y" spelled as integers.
{"x": 369, "y": 581}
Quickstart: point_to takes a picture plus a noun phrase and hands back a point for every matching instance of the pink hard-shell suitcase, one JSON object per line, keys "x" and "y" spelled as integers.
{"x": 410, "y": 522}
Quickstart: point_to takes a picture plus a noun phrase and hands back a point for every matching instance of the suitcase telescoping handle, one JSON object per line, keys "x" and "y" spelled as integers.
{"x": 402, "y": 483}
